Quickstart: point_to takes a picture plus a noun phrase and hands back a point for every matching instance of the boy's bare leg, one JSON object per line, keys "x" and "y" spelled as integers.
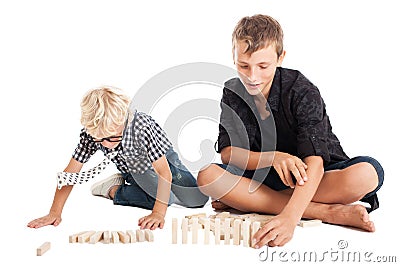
{"x": 233, "y": 191}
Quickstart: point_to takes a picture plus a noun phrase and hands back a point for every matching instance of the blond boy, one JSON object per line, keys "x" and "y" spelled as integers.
{"x": 148, "y": 165}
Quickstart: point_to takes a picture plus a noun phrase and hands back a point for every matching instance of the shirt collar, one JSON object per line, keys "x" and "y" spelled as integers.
{"x": 274, "y": 94}
{"x": 275, "y": 91}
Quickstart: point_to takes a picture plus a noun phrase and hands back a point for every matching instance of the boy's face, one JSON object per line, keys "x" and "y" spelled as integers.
{"x": 256, "y": 70}
{"x": 117, "y": 136}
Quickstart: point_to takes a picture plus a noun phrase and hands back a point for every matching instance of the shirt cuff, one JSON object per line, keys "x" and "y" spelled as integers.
{"x": 313, "y": 146}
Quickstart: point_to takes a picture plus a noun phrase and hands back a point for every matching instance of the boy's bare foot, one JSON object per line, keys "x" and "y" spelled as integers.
{"x": 350, "y": 215}
{"x": 218, "y": 205}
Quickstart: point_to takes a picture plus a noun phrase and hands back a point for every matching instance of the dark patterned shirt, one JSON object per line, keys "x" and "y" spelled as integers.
{"x": 143, "y": 142}
{"x": 299, "y": 115}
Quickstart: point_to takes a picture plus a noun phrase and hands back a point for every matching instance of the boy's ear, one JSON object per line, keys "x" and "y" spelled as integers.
{"x": 281, "y": 57}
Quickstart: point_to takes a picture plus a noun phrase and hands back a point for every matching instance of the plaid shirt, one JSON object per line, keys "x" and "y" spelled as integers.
{"x": 143, "y": 142}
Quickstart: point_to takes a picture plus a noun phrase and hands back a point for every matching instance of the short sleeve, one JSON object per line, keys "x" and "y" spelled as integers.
{"x": 155, "y": 140}
{"x": 312, "y": 123}
{"x": 85, "y": 149}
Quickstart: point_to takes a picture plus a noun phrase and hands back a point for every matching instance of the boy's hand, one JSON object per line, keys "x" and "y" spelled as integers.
{"x": 276, "y": 232}
{"x": 286, "y": 165}
{"x": 50, "y": 219}
{"x": 152, "y": 221}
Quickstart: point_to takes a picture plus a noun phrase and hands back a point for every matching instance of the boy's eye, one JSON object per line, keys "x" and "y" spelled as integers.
{"x": 244, "y": 66}
{"x": 263, "y": 67}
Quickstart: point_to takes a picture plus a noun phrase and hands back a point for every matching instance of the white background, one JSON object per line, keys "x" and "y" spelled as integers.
{"x": 52, "y": 52}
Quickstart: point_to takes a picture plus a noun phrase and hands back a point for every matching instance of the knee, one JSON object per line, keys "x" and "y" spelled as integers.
{"x": 207, "y": 175}
{"x": 369, "y": 176}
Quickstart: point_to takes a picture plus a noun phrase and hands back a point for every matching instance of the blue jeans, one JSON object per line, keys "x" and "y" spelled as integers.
{"x": 270, "y": 177}
{"x": 140, "y": 190}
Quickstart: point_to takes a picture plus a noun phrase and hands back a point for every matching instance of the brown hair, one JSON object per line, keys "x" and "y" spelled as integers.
{"x": 258, "y": 31}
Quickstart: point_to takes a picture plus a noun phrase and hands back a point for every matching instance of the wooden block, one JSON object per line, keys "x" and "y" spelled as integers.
{"x": 217, "y": 231}
{"x": 207, "y": 232}
{"x": 123, "y": 237}
{"x": 198, "y": 215}
{"x": 96, "y": 237}
{"x": 227, "y": 231}
{"x": 148, "y": 234}
{"x": 184, "y": 230}
{"x": 174, "y": 230}
{"x": 132, "y": 236}
{"x": 106, "y": 237}
{"x": 236, "y": 231}
{"x": 43, "y": 248}
{"x": 74, "y": 238}
{"x": 83, "y": 238}
{"x": 140, "y": 235}
{"x": 246, "y": 233}
{"x": 309, "y": 223}
{"x": 114, "y": 237}
{"x": 195, "y": 227}
{"x": 254, "y": 228}
{"x": 224, "y": 214}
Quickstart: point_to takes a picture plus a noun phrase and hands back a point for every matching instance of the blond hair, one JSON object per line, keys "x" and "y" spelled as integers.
{"x": 103, "y": 110}
{"x": 258, "y": 31}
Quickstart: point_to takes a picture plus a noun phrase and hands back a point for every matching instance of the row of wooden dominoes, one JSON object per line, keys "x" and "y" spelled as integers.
{"x": 224, "y": 226}
{"x": 221, "y": 230}
{"x": 107, "y": 237}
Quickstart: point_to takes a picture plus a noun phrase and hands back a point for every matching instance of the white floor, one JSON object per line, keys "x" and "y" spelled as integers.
{"x": 52, "y": 53}
{"x": 85, "y": 212}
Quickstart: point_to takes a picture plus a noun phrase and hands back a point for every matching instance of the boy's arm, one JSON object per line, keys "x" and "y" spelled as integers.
{"x": 285, "y": 164}
{"x": 156, "y": 218}
{"x": 283, "y": 225}
{"x": 60, "y": 197}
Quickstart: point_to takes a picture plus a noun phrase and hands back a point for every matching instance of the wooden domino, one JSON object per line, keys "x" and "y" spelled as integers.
{"x": 114, "y": 237}
{"x": 74, "y": 238}
{"x": 195, "y": 226}
{"x": 43, "y": 248}
{"x": 140, "y": 235}
{"x": 236, "y": 231}
{"x": 132, "y": 236}
{"x": 217, "y": 231}
{"x": 227, "y": 231}
{"x": 206, "y": 232}
{"x": 246, "y": 233}
{"x": 309, "y": 223}
{"x": 184, "y": 230}
{"x": 107, "y": 237}
{"x": 123, "y": 237}
{"x": 85, "y": 236}
{"x": 96, "y": 237}
{"x": 225, "y": 226}
{"x": 174, "y": 230}
{"x": 148, "y": 235}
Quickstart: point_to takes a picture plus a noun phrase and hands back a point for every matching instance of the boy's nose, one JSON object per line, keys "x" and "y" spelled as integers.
{"x": 252, "y": 75}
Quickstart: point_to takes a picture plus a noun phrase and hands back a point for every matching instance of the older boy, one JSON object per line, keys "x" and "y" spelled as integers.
{"x": 144, "y": 156}
{"x": 311, "y": 177}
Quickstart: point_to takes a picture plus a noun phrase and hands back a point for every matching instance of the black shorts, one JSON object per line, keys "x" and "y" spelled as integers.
{"x": 269, "y": 177}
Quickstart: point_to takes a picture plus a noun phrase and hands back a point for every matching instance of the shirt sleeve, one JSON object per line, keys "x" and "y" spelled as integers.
{"x": 312, "y": 126}
{"x": 227, "y": 135}
{"x": 85, "y": 149}
{"x": 155, "y": 140}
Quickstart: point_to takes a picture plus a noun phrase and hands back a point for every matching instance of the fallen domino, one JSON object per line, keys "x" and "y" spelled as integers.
{"x": 107, "y": 237}
{"x": 43, "y": 249}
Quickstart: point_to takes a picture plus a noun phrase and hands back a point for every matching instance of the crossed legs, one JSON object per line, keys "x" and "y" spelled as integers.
{"x": 338, "y": 189}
